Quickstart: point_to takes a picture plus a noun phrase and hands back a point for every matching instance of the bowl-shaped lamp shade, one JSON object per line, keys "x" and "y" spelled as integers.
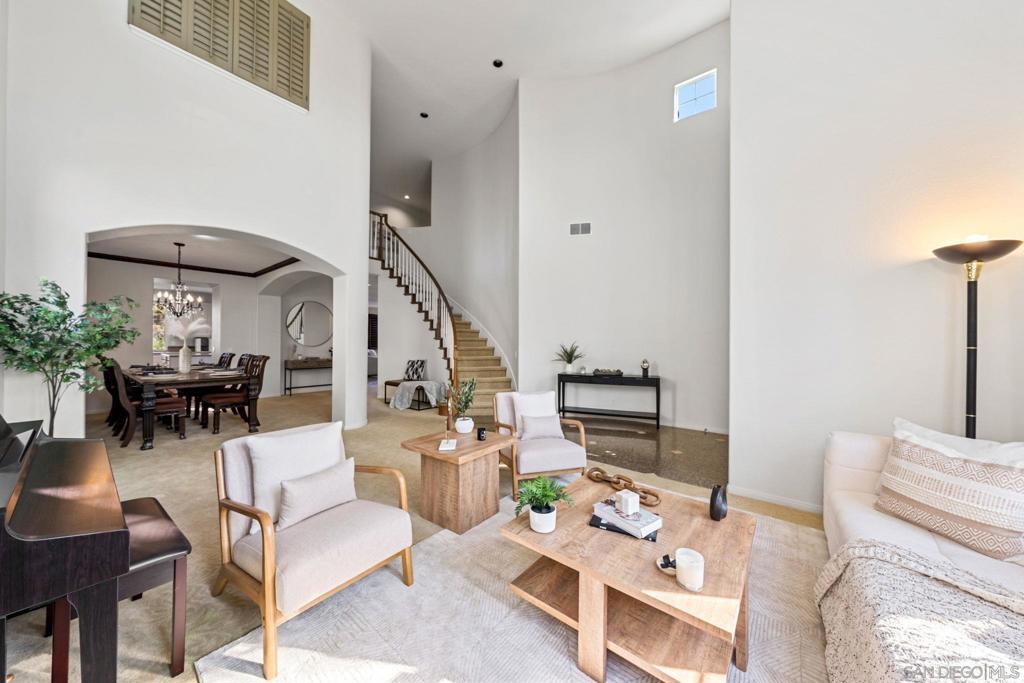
{"x": 989, "y": 250}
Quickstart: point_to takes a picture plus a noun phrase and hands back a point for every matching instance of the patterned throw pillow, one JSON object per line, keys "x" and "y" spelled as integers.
{"x": 973, "y": 494}
{"x": 414, "y": 369}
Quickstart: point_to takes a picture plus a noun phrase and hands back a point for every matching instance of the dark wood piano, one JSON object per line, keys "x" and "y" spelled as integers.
{"x": 65, "y": 538}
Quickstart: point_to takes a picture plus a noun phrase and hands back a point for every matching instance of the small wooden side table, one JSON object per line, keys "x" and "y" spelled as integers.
{"x": 459, "y": 489}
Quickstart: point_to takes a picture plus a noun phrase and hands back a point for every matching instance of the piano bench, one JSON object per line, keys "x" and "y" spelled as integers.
{"x": 158, "y": 553}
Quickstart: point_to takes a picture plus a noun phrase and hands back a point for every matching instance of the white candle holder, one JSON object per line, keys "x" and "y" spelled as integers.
{"x": 690, "y": 569}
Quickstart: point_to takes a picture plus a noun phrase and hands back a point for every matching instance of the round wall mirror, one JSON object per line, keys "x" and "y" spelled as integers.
{"x": 309, "y": 323}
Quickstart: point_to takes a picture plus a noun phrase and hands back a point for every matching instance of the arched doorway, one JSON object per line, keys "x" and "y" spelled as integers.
{"x": 242, "y": 292}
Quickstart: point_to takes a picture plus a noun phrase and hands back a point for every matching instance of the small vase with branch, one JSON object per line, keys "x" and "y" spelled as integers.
{"x": 45, "y": 336}
{"x": 569, "y": 355}
{"x": 459, "y": 402}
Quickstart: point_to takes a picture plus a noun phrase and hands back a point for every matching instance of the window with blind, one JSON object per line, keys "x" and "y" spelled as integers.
{"x": 266, "y": 42}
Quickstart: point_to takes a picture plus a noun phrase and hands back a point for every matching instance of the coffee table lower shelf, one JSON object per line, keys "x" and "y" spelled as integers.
{"x": 666, "y": 648}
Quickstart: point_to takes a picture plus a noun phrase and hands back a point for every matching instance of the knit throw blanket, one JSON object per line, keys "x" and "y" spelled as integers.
{"x": 893, "y": 615}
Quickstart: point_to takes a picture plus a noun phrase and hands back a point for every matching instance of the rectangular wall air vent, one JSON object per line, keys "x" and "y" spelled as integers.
{"x": 579, "y": 228}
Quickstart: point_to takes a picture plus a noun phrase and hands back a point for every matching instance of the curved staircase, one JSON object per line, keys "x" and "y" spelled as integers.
{"x": 463, "y": 348}
{"x": 477, "y": 359}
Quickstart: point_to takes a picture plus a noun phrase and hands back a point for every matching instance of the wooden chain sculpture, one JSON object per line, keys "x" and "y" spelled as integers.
{"x": 648, "y": 497}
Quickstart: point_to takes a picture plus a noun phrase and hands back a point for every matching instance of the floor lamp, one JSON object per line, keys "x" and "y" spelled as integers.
{"x": 972, "y": 254}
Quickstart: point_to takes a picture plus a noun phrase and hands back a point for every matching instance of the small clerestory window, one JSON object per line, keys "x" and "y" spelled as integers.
{"x": 696, "y": 95}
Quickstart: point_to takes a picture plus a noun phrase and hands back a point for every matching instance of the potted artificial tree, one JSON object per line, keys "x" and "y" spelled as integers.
{"x": 541, "y": 494}
{"x": 569, "y": 355}
{"x": 45, "y": 336}
{"x": 459, "y": 402}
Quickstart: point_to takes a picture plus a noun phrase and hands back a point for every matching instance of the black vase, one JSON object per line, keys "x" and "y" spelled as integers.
{"x": 719, "y": 503}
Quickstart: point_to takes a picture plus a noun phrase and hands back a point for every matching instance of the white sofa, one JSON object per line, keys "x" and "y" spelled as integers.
{"x": 853, "y": 465}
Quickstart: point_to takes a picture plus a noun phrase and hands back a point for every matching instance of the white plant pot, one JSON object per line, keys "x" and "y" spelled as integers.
{"x": 543, "y": 522}
{"x": 464, "y": 425}
{"x": 568, "y": 368}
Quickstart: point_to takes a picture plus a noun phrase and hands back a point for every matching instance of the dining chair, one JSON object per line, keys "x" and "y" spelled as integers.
{"x": 194, "y": 397}
{"x": 236, "y": 400}
{"x": 175, "y": 408}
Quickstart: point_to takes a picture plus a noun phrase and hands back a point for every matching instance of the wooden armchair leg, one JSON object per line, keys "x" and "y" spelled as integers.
{"x": 407, "y": 566}
{"x": 219, "y": 585}
{"x": 269, "y": 644}
{"x": 182, "y": 421}
{"x": 178, "y": 615}
{"x": 216, "y": 420}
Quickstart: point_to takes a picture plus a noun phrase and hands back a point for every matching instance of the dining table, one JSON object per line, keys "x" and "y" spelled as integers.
{"x": 195, "y": 378}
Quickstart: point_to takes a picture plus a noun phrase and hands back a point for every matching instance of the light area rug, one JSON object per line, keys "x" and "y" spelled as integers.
{"x": 461, "y": 623}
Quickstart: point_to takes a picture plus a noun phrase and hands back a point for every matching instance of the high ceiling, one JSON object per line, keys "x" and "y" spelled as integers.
{"x": 206, "y": 251}
{"x": 436, "y": 57}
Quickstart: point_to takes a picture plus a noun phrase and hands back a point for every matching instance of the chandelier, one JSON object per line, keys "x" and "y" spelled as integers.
{"x": 178, "y": 302}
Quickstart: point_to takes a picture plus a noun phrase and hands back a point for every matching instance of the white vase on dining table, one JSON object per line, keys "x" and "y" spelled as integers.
{"x": 185, "y": 358}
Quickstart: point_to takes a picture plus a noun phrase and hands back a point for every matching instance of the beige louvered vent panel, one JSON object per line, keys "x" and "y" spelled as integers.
{"x": 291, "y": 75}
{"x": 253, "y": 41}
{"x": 265, "y": 42}
{"x": 211, "y": 30}
{"x": 164, "y": 18}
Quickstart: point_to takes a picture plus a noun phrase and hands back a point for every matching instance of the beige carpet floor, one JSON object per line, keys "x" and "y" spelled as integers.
{"x": 180, "y": 474}
{"x": 381, "y": 631}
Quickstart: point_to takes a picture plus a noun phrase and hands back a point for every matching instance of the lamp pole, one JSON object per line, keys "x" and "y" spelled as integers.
{"x": 972, "y": 255}
{"x": 970, "y": 414}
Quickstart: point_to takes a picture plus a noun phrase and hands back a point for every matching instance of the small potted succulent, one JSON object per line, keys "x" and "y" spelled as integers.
{"x": 569, "y": 355}
{"x": 459, "y": 402}
{"x": 541, "y": 494}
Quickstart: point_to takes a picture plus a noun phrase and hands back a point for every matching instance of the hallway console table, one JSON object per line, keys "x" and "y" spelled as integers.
{"x": 652, "y": 382}
{"x": 293, "y": 364}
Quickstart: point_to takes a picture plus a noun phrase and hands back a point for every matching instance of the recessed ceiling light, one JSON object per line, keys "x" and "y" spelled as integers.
{"x": 424, "y": 115}
{"x": 498, "y": 63}
{"x": 405, "y": 197}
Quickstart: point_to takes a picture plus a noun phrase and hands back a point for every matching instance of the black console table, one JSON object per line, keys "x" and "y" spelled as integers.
{"x": 615, "y": 381}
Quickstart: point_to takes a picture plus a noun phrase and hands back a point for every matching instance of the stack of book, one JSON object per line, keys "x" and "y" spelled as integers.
{"x": 644, "y": 524}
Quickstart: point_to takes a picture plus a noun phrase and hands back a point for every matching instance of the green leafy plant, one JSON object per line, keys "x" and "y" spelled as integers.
{"x": 461, "y": 399}
{"x": 540, "y": 494}
{"x": 45, "y": 336}
{"x": 568, "y": 354}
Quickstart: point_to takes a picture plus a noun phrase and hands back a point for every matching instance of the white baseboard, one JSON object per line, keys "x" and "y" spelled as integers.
{"x": 772, "y": 498}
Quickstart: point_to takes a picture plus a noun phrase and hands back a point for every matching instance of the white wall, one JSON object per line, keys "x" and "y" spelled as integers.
{"x": 865, "y": 134}
{"x": 116, "y": 128}
{"x": 402, "y": 335}
{"x": 3, "y": 157}
{"x": 471, "y": 245}
{"x": 400, "y": 215}
{"x": 317, "y": 288}
{"x": 651, "y": 281}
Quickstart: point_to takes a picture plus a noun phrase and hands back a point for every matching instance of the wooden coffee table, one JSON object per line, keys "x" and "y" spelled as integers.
{"x": 459, "y": 489}
{"x": 605, "y": 586}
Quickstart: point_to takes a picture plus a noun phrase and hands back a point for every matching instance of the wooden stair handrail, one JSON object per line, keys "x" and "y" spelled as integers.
{"x": 382, "y": 225}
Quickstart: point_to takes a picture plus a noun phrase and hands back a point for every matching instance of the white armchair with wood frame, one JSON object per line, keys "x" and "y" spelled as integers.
{"x": 534, "y": 457}
{"x": 285, "y": 571}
